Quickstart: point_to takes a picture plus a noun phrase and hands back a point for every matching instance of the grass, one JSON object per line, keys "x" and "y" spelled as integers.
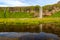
{"x": 1, "y": 14}
{"x": 15, "y": 15}
{"x": 24, "y": 24}
{"x": 19, "y": 15}
{"x": 29, "y": 20}
{"x": 23, "y": 14}
{"x": 57, "y": 14}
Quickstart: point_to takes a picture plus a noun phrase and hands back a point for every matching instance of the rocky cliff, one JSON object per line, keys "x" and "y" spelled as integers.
{"x": 48, "y": 10}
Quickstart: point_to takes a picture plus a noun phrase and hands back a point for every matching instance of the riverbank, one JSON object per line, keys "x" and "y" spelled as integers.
{"x": 29, "y": 24}
{"x": 28, "y": 20}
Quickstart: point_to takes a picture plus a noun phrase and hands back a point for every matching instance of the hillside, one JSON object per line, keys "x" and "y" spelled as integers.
{"x": 29, "y": 11}
{"x": 19, "y": 12}
{"x": 49, "y": 10}
{"x": 57, "y": 14}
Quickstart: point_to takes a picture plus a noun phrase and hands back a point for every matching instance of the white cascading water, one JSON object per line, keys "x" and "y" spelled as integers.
{"x": 40, "y": 12}
{"x": 40, "y": 16}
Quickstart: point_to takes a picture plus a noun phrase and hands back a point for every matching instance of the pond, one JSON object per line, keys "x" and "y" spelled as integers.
{"x": 29, "y": 32}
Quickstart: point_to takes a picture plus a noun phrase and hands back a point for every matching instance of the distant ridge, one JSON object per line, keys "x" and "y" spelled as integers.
{"x": 59, "y": 2}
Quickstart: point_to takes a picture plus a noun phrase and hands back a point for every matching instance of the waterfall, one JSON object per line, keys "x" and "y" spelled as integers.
{"x": 40, "y": 16}
{"x": 40, "y": 12}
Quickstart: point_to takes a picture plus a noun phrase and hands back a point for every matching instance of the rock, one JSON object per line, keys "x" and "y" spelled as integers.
{"x": 59, "y": 2}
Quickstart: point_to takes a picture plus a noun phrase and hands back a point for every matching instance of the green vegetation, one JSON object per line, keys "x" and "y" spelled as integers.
{"x": 29, "y": 20}
{"x": 1, "y": 14}
{"x": 24, "y": 24}
{"x": 15, "y": 14}
{"x": 57, "y": 14}
{"x": 19, "y": 15}
{"x": 27, "y": 12}
{"x": 51, "y": 7}
{"x": 18, "y": 12}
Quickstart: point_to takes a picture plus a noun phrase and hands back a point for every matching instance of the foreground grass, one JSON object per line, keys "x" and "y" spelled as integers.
{"x": 24, "y": 24}
{"x": 29, "y": 20}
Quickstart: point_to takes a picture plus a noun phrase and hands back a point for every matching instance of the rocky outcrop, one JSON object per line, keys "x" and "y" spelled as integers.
{"x": 34, "y": 11}
{"x": 59, "y": 2}
{"x": 51, "y": 9}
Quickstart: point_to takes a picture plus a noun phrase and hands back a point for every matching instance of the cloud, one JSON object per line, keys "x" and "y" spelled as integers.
{"x": 58, "y": 0}
{"x": 12, "y": 3}
{"x": 47, "y": 2}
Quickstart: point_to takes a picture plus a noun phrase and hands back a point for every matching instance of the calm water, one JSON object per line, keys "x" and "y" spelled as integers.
{"x": 48, "y": 30}
{"x": 28, "y": 35}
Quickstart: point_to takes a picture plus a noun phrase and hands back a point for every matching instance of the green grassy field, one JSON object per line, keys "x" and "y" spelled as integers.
{"x": 19, "y": 15}
{"x": 22, "y": 24}
{"x": 8, "y": 14}
{"x": 1, "y": 14}
{"x": 57, "y": 14}
{"x": 15, "y": 15}
{"x": 29, "y": 20}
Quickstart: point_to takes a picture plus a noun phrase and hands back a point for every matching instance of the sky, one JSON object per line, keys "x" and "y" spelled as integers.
{"x": 4, "y": 3}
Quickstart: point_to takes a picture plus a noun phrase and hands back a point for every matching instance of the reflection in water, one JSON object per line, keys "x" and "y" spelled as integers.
{"x": 40, "y": 36}
{"x": 41, "y": 27}
{"x": 29, "y": 36}
{"x": 29, "y": 30}
{"x": 52, "y": 28}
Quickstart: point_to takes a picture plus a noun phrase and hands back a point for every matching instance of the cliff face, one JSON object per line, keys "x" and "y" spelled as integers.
{"x": 31, "y": 10}
{"x": 48, "y": 10}
{"x": 59, "y": 2}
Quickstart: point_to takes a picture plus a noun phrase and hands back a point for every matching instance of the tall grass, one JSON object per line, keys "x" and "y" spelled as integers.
{"x": 19, "y": 15}
{"x": 16, "y": 15}
{"x": 29, "y": 20}
{"x": 56, "y": 14}
{"x": 24, "y": 24}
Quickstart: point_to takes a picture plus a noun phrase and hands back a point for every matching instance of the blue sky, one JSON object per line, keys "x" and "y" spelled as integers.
{"x": 26, "y": 2}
